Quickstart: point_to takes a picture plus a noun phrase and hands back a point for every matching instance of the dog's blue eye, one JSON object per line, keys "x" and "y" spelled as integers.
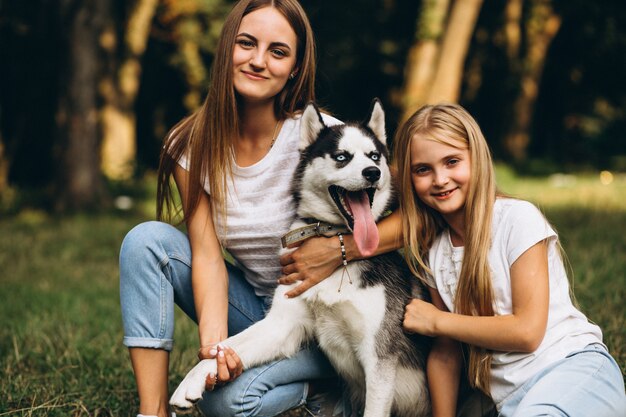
{"x": 375, "y": 156}
{"x": 340, "y": 158}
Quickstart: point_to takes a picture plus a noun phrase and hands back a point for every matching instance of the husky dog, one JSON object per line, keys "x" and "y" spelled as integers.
{"x": 342, "y": 182}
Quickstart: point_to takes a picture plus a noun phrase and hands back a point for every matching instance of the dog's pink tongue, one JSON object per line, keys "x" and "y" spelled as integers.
{"x": 365, "y": 231}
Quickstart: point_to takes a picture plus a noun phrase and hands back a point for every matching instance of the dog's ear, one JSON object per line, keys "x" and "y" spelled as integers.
{"x": 311, "y": 125}
{"x": 376, "y": 121}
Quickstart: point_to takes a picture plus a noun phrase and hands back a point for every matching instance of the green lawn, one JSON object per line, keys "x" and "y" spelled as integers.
{"x": 60, "y": 325}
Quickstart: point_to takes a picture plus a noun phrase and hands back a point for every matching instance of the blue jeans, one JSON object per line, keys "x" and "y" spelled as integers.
{"x": 587, "y": 382}
{"x": 155, "y": 274}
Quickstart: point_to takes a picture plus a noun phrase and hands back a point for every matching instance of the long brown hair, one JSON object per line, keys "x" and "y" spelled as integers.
{"x": 206, "y": 136}
{"x": 452, "y": 125}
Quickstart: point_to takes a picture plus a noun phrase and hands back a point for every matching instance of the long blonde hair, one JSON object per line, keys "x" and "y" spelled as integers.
{"x": 206, "y": 136}
{"x": 452, "y": 125}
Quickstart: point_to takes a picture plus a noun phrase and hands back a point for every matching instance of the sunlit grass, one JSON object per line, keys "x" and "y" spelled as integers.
{"x": 60, "y": 322}
{"x": 591, "y": 190}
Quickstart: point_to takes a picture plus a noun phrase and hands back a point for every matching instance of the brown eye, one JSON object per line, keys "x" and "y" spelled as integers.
{"x": 279, "y": 53}
{"x": 244, "y": 43}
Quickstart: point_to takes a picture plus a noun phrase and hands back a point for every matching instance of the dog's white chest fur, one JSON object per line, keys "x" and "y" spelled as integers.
{"x": 345, "y": 303}
{"x": 346, "y": 318}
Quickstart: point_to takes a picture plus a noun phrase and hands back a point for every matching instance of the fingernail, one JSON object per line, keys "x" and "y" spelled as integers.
{"x": 221, "y": 354}
{"x": 212, "y": 375}
{"x": 213, "y": 352}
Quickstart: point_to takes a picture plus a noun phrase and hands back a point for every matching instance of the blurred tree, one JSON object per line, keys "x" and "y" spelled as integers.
{"x": 180, "y": 50}
{"x": 362, "y": 48}
{"x": 526, "y": 65}
{"x": 579, "y": 111}
{"x": 580, "y": 115}
{"x": 424, "y": 54}
{"x": 119, "y": 85}
{"x": 79, "y": 182}
{"x": 194, "y": 27}
{"x": 543, "y": 78}
{"x": 29, "y": 58}
{"x": 435, "y": 63}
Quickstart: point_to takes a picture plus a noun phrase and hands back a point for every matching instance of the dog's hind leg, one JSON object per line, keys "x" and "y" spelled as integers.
{"x": 380, "y": 377}
{"x": 279, "y": 334}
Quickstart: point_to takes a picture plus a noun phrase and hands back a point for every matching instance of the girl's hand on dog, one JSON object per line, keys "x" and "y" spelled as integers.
{"x": 421, "y": 317}
{"x": 312, "y": 262}
{"x": 229, "y": 366}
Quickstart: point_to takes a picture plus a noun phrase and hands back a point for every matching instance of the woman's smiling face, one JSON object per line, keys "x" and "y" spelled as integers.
{"x": 264, "y": 55}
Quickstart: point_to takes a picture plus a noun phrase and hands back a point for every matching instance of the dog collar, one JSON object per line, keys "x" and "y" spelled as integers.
{"x": 310, "y": 230}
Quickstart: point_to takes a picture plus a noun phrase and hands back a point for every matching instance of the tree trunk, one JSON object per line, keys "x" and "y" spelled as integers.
{"x": 447, "y": 83}
{"x": 119, "y": 88}
{"x": 79, "y": 182}
{"x": 435, "y": 64}
{"x": 421, "y": 63}
{"x": 541, "y": 28}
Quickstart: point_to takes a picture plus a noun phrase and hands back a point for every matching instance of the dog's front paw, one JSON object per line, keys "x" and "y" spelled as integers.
{"x": 190, "y": 390}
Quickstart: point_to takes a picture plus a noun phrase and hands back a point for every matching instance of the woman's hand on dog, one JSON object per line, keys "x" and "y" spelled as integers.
{"x": 311, "y": 263}
{"x": 229, "y": 366}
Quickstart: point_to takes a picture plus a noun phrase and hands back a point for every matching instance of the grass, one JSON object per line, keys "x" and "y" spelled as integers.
{"x": 60, "y": 324}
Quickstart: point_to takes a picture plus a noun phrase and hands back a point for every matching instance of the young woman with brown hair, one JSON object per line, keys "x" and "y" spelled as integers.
{"x": 232, "y": 162}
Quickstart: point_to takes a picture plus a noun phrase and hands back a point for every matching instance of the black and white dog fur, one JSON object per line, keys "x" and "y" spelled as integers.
{"x": 343, "y": 178}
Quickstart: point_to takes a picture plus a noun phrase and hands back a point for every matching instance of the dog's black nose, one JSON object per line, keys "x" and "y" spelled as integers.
{"x": 372, "y": 174}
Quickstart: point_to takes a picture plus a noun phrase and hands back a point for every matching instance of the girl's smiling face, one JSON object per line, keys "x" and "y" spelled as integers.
{"x": 264, "y": 54}
{"x": 440, "y": 174}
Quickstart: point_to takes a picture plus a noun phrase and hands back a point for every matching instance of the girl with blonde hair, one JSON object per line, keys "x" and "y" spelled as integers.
{"x": 497, "y": 281}
{"x": 232, "y": 162}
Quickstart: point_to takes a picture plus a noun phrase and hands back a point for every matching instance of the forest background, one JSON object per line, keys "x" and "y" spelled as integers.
{"x": 89, "y": 89}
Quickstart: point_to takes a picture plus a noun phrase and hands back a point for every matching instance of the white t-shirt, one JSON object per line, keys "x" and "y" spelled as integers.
{"x": 260, "y": 208}
{"x": 517, "y": 226}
